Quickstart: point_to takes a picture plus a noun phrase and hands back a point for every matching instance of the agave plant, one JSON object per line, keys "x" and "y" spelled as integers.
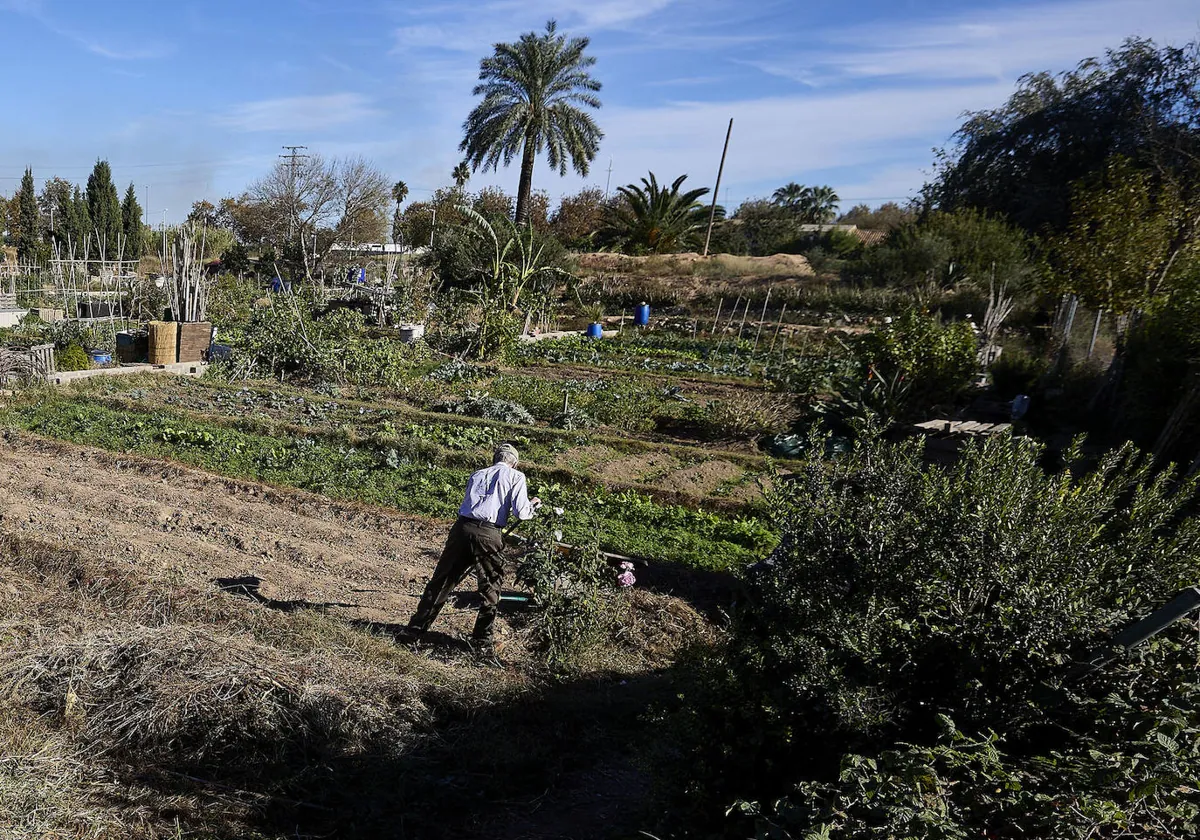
{"x": 656, "y": 219}
{"x": 515, "y": 263}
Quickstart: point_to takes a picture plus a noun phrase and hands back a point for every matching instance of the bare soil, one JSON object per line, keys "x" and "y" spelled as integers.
{"x": 366, "y": 563}
{"x": 173, "y": 524}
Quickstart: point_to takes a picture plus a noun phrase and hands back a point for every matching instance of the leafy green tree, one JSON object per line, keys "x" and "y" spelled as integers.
{"x": 236, "y": 259}
{"x": 56, "y": 194}
{"x": 654, "y": 219}
{"x": 493, "y": 203}
{"x": 534, "y": 93}
{"x": 131, "y": 224}
{"x": 1128, "y": 241}
{"x": 886, "y": 217}
{"x": 579, "y": 218}
{"x": 1021, "y": 159}
{"x": 29, "y": 219}
{"x": 104, "y": 212}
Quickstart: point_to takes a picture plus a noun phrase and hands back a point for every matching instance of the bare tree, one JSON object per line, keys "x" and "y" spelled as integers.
{"x": 301, "y": 197}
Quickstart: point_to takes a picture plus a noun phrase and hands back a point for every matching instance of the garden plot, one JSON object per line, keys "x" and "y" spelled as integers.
{"x": 580, "y": 456}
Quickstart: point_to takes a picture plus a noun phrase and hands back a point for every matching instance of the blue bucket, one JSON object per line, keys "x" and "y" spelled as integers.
{"x": 641, "y": 315}
{"x": 100, "y": 358}
{"x": 595, "y": 330}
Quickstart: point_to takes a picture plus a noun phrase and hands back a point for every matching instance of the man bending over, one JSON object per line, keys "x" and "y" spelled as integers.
{"x": 475, "y": 542}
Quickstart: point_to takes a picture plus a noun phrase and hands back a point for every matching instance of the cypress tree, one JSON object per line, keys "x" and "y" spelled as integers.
{"x": 104, "y": 209}
{"x": 80, "y": 229}
{"x": 29, "y": 221}
{"x": 131, "y": 224}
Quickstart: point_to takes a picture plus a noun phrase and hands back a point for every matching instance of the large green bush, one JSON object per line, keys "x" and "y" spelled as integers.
{"x": 935, "y": 362}
{"x": 910, "y": 612}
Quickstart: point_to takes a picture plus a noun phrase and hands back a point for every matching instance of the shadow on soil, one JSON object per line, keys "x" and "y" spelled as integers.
{"x": 560, "y": 760}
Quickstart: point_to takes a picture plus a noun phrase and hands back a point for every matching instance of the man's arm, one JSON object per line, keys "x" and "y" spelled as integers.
{"x": 523, "y": 506}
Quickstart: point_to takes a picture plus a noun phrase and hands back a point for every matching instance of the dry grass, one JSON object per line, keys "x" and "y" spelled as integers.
{"x": 133, "y": 706}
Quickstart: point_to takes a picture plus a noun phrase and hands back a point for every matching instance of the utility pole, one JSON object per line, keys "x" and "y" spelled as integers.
{"x": 608, "y": 183}
{"x": 146, "y": 205}
{"x": 712, "y": 213}
{"x": 293, "y": 157}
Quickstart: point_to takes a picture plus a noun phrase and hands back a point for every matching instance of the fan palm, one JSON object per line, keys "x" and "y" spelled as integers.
{"x": 789, "y": 195}
{"x": 656, "y": 219}
{"x": 819, "y": 205}
{"x": 532, "y": 93}
{"x": 461, "y": 174}
{"x": 400, "y": 192}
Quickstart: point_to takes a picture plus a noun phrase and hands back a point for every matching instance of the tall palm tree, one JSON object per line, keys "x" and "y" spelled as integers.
{"x": 656, "y": 219}
{"x": 461, "y": 174}
{"x": 400, "y": 192}
{"x": 532, "y": 93}
{"x": 789, "y": 195}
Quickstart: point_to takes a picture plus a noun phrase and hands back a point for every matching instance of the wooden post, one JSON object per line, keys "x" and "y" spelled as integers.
{"x": 778, "y": 327}
{"x": 732, "y": 316}
{"x": 762, "y": 318}
{"x": 712, "y": 213}
{"x": 1095, "y": 333}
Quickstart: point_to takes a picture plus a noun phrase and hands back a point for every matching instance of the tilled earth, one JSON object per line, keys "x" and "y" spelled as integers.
{"x": 366, "y": 563}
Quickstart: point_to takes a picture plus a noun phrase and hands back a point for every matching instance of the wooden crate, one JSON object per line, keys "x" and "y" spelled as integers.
{"x": 194, "y": 340}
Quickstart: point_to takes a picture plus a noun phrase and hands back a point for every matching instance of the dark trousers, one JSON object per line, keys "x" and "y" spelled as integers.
{"x": 471, "y": 545}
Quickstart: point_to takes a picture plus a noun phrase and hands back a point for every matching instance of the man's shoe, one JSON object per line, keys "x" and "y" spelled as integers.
{"x": 408, "y": 635}
{"x": 484, "y": 653}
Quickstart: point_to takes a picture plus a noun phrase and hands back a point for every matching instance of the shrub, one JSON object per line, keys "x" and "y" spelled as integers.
{"x": 748, "y": 414}
{"x": 906, "y": 604}
{"x": 72, "y": 357}
{"x": 1016, "y": 372}
{"x": 477, "y": 404}
{"x": 935, "y": 362}
{"x": 573, "y": 591}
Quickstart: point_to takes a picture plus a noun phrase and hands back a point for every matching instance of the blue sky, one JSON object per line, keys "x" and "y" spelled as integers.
{"x": 194, "y": 100}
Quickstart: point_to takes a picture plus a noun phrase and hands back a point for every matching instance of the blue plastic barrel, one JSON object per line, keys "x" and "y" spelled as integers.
{"x": 595, "y": 331}
{"x": 100, "y": 358}
{"x": 641, "y": 315}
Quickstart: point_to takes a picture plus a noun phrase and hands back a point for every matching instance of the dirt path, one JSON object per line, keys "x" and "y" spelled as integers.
{"x": 170, "y": 519}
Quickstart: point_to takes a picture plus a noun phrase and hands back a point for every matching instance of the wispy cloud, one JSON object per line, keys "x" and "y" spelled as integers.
{"x": 981, "y": 44}
{"x": 36, "y": 10}
{"x": 299, "y": 113}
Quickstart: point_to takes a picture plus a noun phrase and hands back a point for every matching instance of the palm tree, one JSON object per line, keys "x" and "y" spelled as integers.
{"x": 532, "y": 92}
{"x": 656, "y": 219}
{"x": 789, "y": 195}
{"x": 400, "y": 192}
{"x": 819, "y": 205}
{"x": 461, "y": 174}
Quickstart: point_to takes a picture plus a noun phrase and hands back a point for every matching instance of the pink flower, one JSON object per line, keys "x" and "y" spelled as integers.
{"x": 626, "y": 578}
{"x": 626, "y": 566}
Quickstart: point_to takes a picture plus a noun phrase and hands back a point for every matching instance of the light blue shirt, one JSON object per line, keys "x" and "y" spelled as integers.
{"x": 494, "y": 492}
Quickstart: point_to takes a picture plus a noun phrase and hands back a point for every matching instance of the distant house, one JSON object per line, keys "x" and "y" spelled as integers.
{"x": 371, "y": 248}
{"x": 866, "y": 237}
